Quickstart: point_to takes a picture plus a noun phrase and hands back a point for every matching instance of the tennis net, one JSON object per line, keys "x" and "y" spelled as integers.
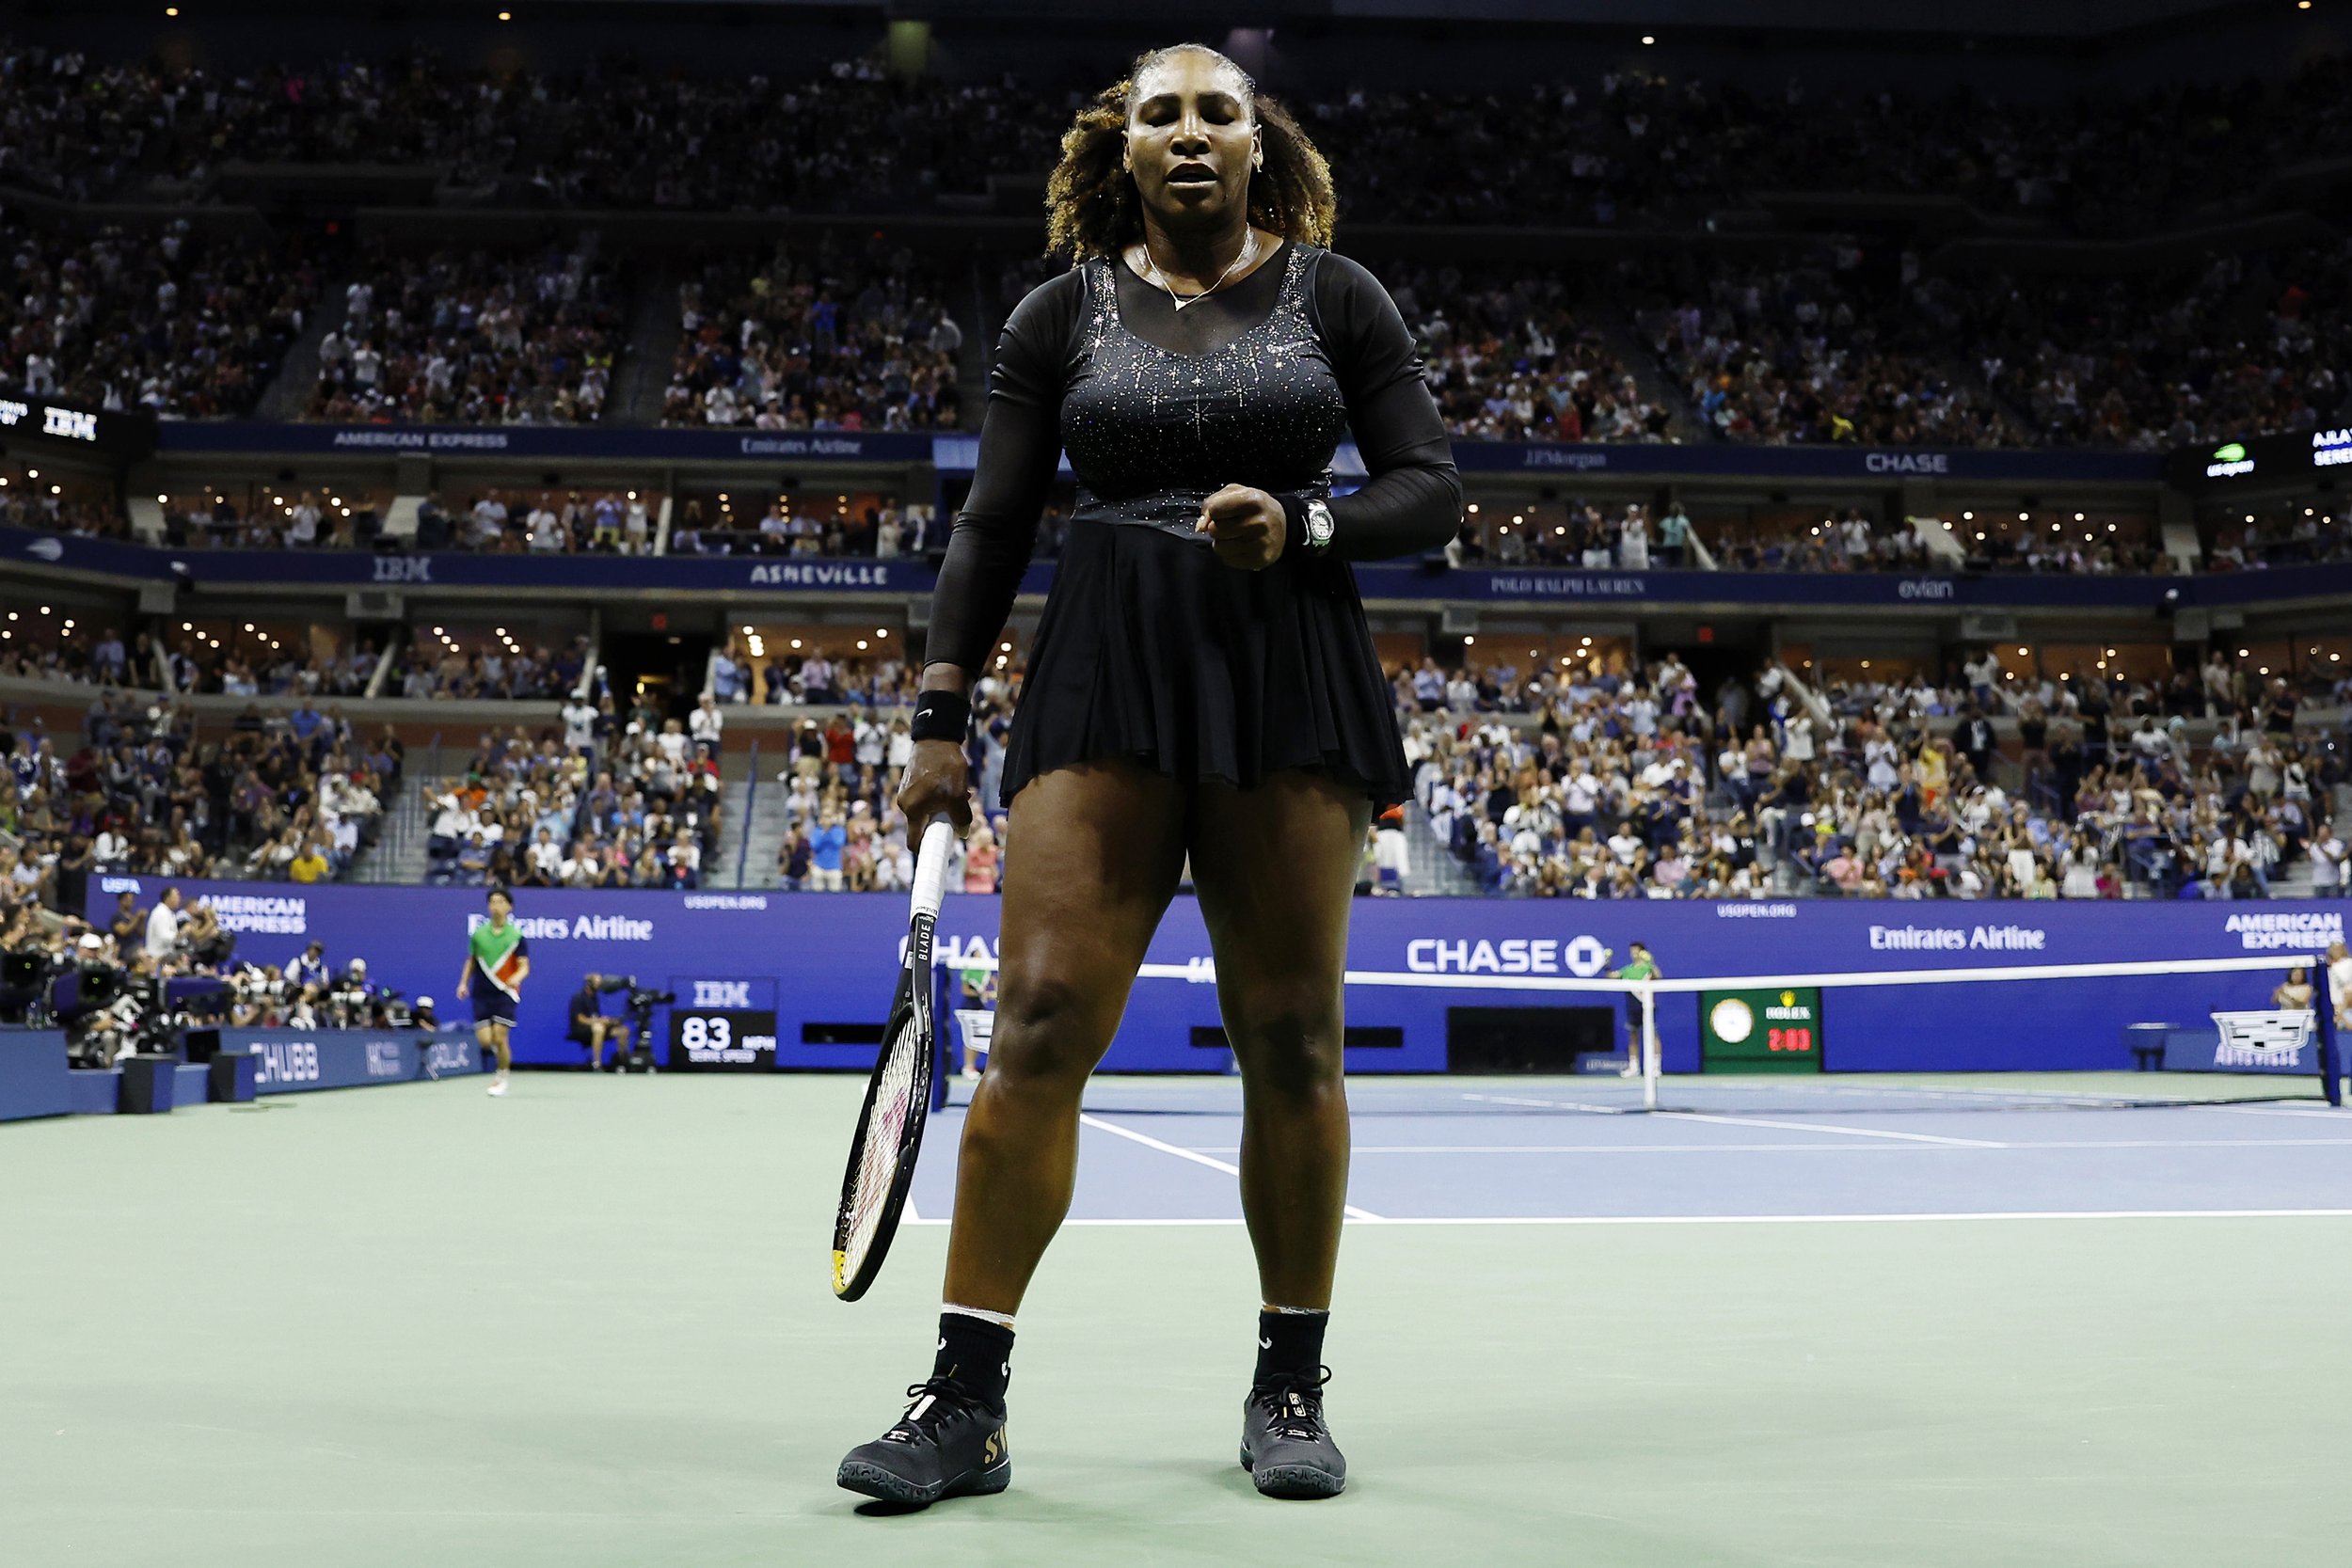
{"x": 2051, "y": 1036}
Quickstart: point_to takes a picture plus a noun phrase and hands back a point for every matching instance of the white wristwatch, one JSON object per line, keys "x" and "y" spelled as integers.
{"x": 1319, "y": 525}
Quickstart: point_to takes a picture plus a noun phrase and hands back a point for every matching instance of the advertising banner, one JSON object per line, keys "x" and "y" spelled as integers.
{"x": 610, "y": 442}
{"x": 1379, "y": 580}
{"x": 831, "y": 959}
{"x": 290, "y": 1061}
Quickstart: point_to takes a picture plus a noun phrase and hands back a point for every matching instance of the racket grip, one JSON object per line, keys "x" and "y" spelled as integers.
{"x": 930, "y": 865}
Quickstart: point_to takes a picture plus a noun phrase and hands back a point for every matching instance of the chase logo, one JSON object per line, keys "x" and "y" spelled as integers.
{"x": 722, "y": 994}
{"x": 2229, "y": 462}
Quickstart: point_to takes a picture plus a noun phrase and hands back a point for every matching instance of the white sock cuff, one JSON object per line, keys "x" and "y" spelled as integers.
{"x": 1296, "y": 1312}
{"x": 1002, "y": 1319}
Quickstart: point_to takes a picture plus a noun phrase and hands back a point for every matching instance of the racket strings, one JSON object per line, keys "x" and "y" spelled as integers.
{"x": 878, "y": 1162}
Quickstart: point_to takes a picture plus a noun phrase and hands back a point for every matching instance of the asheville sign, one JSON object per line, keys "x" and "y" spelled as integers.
{"x": 611, "y": 573}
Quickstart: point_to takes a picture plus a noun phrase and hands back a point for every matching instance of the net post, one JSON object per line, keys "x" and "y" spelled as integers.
{"x": 1649, "y": 1047}
{"x": 2330, "y": 1054}
{"x": 940, "y": 1047}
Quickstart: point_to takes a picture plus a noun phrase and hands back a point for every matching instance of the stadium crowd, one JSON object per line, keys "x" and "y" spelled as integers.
{"x": 1616, "y": 148}
{"x": 161, "y": 316}
{"x": 296, "y": 797}
{"x": 475, "y": 337}
{"x": 820, "y": 339}
{"x": 1633, "y": 783}
{"x": 607, "y": 799}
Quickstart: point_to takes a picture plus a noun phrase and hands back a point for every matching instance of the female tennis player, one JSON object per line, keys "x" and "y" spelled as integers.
{"x": 1202, "y": 683}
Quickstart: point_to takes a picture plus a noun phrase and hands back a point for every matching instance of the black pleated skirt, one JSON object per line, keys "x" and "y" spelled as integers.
{"x": 1151, "y": 648}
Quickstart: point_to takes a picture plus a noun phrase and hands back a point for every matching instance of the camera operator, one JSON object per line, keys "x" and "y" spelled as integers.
{"x": 589, "y": 1027}
{"x": 30, "y": 957}
{"x": 310, "y": 968}
{"x": 94, "y": 1004}
{"x": 130, "y": 922}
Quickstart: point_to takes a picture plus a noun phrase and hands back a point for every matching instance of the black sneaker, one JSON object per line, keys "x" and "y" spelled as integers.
{"x": 947, "y": 1445}
{"x": 1284, "y": 1444}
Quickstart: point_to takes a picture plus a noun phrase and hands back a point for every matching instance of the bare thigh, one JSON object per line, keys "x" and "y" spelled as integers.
{"x": 1275, "y": 868}
{"x": 1092, "y": 857}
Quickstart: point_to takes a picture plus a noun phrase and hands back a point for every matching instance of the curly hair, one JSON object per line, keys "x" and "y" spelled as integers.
{"x": 1092, "y": 205}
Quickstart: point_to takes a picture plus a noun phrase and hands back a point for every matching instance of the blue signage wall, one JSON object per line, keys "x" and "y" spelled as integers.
{"x": 289, "y": 1061}
{"x": 828, "y": 962}
{"x": 749, "y": 574}
{"x": 34, "y": 1078}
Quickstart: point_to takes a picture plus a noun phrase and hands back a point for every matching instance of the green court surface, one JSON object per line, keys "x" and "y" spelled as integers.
{"x": 590, "y": 1324}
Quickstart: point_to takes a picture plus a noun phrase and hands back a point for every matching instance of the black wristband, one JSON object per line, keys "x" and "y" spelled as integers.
{"x": 941, "y": 716}
{"x": 1293, "y": 520}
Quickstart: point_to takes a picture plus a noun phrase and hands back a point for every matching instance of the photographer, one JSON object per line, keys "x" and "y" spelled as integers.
{"x": 589, "y": 1027}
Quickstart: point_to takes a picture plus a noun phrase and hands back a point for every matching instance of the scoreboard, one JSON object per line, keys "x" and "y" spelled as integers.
{"x": 1760, "y": 1031}
{"x": 722, "y": 1025}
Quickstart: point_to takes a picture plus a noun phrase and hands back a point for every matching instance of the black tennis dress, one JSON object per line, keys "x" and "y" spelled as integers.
{"x": 1150, "y": 646}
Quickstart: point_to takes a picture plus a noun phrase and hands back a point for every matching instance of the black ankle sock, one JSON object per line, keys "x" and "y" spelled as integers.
{"x": 1289, "y": 1343}
{"x": 976, "y": 1353}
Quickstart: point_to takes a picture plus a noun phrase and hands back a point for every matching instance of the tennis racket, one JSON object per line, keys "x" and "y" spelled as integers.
{"x": 899, "y": 1096}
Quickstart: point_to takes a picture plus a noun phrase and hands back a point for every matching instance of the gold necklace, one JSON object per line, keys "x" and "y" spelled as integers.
{"x": 1248, "y": 252}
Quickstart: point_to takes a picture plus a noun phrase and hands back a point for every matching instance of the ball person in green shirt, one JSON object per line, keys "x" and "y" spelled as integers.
{"x": 1641, "y": 966}
{"x": 498, "y": 956}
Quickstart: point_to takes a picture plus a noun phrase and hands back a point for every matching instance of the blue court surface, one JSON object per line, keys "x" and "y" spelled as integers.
{"x": 1519, "y": 1152}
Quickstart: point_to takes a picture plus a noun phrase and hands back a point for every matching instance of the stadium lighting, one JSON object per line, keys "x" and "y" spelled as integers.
{"x": 861, "y": 644}
{"x": 1467, "y": 640}
{"x": 881, "y": 631}
{"x": 171, "y": 10}
{"x": 1652, "y": 37}
{"x": 506, "y": 16}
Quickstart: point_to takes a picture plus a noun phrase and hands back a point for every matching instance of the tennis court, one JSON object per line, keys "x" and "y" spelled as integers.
{"x": 590, "y": 1324}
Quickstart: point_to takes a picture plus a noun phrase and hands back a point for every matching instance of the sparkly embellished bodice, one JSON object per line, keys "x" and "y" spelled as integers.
{"x": 1150, "y": 432}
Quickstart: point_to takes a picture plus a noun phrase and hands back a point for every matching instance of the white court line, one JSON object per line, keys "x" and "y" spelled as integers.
{"x": 2278, "y": 1111}
{"x": 1544, "y": 1104}
{"x": 1773, "y": 1219}
{"x": 1843, "y": 1132}
{"x": 1194, "y": 1155}
{"x": 907, "y": 1214}
{"x": 1783, "y": 1219}
{"x": 1827, "y": 1149}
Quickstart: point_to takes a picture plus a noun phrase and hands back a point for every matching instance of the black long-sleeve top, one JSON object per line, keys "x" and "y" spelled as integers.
{"x": 1412, "y": 501}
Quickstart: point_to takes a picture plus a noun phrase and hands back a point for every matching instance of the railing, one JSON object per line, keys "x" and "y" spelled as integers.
{"x": 750, "y": 794}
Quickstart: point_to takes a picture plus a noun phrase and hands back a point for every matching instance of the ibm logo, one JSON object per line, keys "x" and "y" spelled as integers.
{"x": 722, "y": 994}
{"x": 69, "y": 423}
{"x": 403, "y": 568}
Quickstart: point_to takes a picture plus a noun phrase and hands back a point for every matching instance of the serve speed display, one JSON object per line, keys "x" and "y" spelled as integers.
{"x": 723, "y": 1039}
